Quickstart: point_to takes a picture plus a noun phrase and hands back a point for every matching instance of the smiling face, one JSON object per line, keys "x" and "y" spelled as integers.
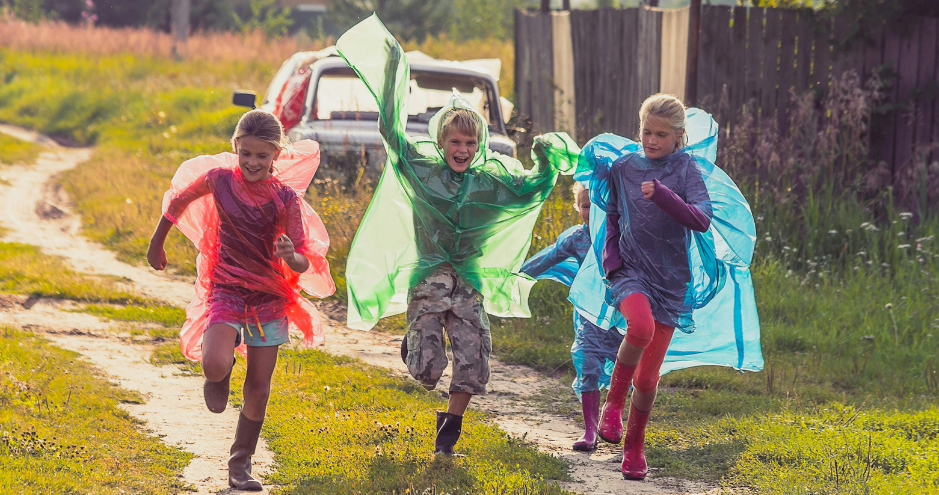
{"x": 256, "y": 158}
{"x": 459, "y": 149}
{"x": 658, "y": 139}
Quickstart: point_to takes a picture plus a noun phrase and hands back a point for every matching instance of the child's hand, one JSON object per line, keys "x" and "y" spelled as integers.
{"x": 283, "y": 247}
{"x": 648, "y": 189}
{"x": 156, "y": 256}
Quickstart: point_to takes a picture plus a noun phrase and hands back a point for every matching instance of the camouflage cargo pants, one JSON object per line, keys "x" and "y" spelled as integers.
{"x": 446, "y": 301}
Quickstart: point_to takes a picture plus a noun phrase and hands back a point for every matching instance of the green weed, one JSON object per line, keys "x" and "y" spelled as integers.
{"x": 14, "y": 151}
{"x": 168, "y": 316}
{"x": 25, "y": 270}
{"x": 62, "y": 432}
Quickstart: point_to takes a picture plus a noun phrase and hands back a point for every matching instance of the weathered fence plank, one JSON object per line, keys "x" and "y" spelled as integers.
{"x": 907, "y": 70}
{"x": 786, "y": 73}
{"x": 738, "y": 54}
{"x": 770, "y": 52}
{"x": 821, "y": 52}
{"x": 754, "y": 73}
{"x": 803, "y": 74}
{"x": 927, "y": 129}
{"x": 891, "y": 62}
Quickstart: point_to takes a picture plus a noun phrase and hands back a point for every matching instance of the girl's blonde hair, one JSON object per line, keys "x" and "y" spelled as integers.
{"x": 263, "y": 126}
{"x": 668, "y": 109}
{"x": 459, "y": 119}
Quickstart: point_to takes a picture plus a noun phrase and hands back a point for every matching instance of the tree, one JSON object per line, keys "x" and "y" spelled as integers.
{"x": 406, "y": 19}
{"x": 485, "y": 18}
{"x": 180, "y": 15}
{"x": 266, "y": 16}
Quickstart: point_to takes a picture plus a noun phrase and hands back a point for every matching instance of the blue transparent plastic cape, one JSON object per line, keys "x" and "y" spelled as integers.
{"x": 726, "y": 325}
{"x": 560, "y": 262}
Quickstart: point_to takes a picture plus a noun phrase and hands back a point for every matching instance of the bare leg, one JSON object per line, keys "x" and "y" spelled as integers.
{"x": 458, "y": 402}
{"x": 261, "y": 362}
{"x": 629, "y": 354}
{"x": 218, "y": 350}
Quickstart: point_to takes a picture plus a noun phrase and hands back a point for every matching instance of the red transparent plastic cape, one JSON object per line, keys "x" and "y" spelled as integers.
{"x": 233, "y": 223}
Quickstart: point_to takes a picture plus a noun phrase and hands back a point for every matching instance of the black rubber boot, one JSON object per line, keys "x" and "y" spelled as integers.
{"x": 239, "y": 464}
{"x": 449, "y": 427}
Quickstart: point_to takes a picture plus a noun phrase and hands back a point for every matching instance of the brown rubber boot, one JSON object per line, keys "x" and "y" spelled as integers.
{"x": 239, "y": 464}
{"x": 216, "y": 393}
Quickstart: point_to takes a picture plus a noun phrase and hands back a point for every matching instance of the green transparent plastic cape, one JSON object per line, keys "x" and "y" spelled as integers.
{"x": 423, "y": 214}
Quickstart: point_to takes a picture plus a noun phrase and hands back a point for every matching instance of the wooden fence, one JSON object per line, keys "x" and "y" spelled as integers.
{"x": 758, "y": 58}
{"x": 748, "y": 59}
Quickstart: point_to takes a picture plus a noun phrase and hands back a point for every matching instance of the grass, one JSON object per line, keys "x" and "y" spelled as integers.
{"x": 63, "y": 432}
{"x": 168, "y": 316}
{"x": 337, "y": 425}
{"x": 25, "y": 270}
{"x": 14, "y": 151}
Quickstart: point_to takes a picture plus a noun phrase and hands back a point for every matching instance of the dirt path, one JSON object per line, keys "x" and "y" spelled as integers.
{"x": 37, "y": 212}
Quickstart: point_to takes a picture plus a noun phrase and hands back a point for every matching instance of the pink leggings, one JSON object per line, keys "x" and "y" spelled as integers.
{"x": 651, "y": 336}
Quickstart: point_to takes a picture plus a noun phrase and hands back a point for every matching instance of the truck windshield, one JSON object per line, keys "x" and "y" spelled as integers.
{"x": 340, "y": 95}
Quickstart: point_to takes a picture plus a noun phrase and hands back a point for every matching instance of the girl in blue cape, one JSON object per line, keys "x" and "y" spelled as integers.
{"x": 672, "y": 242}
{"x": 594, "y": 349}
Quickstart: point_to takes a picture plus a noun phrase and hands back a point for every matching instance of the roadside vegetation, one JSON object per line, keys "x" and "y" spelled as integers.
{"x": 845, "y": 276}
{"x": 15, "y": 151}
{"x": 61, "y": 430}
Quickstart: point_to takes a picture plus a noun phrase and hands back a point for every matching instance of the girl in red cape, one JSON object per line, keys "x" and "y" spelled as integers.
{"x": 259, "y": 244}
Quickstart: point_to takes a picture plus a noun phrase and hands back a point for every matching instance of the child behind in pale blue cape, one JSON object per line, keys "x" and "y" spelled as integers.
{"x": 594, "y": 349}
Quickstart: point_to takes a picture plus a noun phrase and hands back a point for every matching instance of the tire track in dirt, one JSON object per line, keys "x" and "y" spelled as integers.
{"x": 37, "y": 212}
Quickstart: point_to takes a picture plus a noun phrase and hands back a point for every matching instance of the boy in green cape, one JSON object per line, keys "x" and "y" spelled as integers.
{"x": 445, "y": 234}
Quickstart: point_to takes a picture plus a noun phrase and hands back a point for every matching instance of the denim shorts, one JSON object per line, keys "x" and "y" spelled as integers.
{"x": 275, "y": 333}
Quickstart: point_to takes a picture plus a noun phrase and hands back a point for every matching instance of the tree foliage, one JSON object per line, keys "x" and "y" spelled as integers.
{"x": 266, "y": 16}
{"x": 473, "y": 19}
{"x": 407, "y": 19}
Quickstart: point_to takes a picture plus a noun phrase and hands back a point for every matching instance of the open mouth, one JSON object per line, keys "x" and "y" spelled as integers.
{"x": 461, "y": 159}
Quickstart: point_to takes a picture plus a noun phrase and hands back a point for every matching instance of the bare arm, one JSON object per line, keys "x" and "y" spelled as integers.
{"x": 156, "y": 255}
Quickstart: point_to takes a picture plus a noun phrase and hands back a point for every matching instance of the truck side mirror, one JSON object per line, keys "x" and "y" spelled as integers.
{"x": 244, "y": 99}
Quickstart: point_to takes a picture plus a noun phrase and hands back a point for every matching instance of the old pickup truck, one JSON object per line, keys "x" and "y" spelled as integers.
{"x": 317, "y": 96}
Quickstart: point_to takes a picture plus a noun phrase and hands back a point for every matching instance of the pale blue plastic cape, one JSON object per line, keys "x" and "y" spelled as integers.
{"x": 560, "y": 262}
{"x": 726, "y": 328}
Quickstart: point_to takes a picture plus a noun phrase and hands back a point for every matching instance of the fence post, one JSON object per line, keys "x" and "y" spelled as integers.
{"x": 545, "y": 5}
{"x": 694, "y": 32}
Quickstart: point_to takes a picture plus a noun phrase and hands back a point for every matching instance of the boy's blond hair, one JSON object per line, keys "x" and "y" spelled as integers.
{"x": 263, "y": 126}
{"x": 667, "y": 108}
{"x": 458, "y": 119}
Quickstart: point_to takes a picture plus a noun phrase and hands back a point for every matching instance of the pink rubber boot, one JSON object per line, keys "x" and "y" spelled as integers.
{"x": 590, "y": 403}
{"x": 634, "y": 453}
{"x": 611, "y": 419}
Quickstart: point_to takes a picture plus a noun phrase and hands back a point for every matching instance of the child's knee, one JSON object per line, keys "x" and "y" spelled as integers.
{"x": 640, "y": 327}
{"x": 216, "y": 368}
{"x": 646, "y": 380}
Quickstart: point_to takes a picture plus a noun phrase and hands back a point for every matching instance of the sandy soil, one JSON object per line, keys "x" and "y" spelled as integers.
{"x": 37, "y": 212}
